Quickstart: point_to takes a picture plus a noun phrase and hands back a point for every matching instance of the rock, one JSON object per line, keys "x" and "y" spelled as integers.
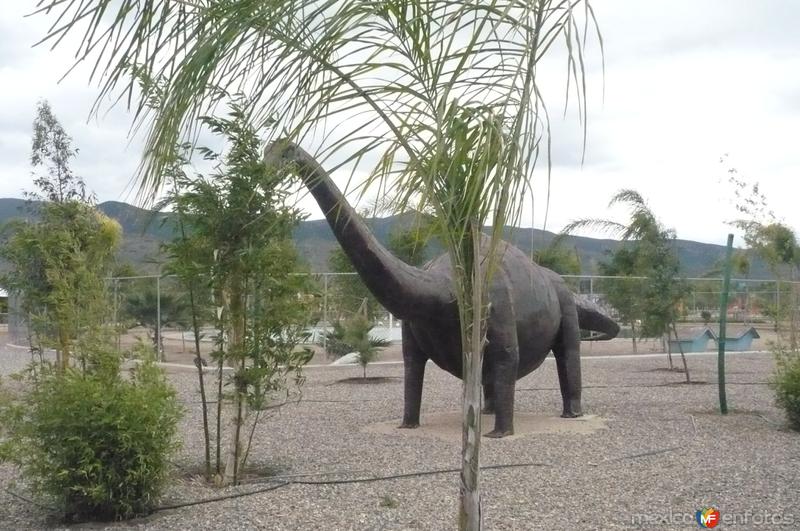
{"x": 347, "y": 359}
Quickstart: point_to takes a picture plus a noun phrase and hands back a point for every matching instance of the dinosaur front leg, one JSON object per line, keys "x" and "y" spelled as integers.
{"x": 504, "y": 402}
{"x": 568, "y": 357}
{"x": 414, "y": 361}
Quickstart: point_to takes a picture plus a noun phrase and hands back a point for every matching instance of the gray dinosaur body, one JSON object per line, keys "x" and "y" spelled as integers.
{"x": 532, "y": 312}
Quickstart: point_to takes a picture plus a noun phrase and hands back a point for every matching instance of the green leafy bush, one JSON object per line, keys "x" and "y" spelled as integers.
{"x": 786, "y": 383}
{"x": 95, "y": 441}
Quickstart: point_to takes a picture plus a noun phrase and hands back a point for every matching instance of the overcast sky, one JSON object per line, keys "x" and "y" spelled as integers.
{"x": 686, "y": 82}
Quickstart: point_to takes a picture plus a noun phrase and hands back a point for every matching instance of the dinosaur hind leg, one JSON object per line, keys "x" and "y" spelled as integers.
{"x": 503, "y": 351}
{"x": 488, "y": 399}
{"x": 567, "y": 352}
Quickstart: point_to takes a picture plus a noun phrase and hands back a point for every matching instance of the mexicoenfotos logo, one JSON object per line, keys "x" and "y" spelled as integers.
{"x": 710, "y": 518}
{"x": 707, "y": 518}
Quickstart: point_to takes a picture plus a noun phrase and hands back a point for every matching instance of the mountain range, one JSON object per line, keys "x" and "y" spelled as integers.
{"x": 144, "y": 230}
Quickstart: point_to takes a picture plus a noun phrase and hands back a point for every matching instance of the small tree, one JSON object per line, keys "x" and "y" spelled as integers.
{"x": 774, "y": 242}
{"x": 777, "y": 245}
{"x": 624, "y": 294}
{"x": 59, "y": 262}
{"x": 664, "y": 292}
{"x": 357, "y": 338}
{"x": 191, "y": 268}
{"x": 51, "y": 152}
{"x": 58, "y": 268}
{"x": 235, "y": 242}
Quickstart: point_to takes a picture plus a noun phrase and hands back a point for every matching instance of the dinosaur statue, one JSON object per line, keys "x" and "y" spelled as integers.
{"x": 532, "y": 311}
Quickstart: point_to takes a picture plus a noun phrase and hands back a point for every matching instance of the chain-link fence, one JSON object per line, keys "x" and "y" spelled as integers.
{"x": 156, "y": 309}
{"x": 151, "y": 307}
{"x": 144, "y": 308}
{"x": 17, "y": 324}
{"x": 751, "y": 301}
{"x": 759, "y": 312}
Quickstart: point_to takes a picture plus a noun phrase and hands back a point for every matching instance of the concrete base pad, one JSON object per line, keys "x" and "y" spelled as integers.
{"x": 447, "y": 426}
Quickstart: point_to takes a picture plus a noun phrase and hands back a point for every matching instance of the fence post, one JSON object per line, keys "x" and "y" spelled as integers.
{"x": 116, "y": 316}
{"x": 325, "y": 311}
{"x": 158, "y": 317}
{"x": 723, "y": 320}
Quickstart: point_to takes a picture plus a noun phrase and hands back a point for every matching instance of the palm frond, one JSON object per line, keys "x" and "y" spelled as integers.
{"x": 630, "y": 197}
{"x": 607, "y": 226}
{"x": 402, "y": 70}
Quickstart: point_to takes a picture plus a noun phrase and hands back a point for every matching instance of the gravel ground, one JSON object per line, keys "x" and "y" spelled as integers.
{"x": 665, "y": 452}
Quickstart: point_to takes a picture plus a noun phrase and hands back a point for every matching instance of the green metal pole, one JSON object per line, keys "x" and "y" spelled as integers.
{"x": 723, "y": 321}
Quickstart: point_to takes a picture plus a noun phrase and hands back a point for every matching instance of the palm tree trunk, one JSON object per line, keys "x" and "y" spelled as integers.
{"x": 470, "y": 494}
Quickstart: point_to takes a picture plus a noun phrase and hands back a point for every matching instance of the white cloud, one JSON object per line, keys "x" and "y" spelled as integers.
{"x": 685, "y": 82}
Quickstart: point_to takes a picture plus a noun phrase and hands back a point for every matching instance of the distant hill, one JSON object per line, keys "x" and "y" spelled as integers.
{"x": 144, "y": 230}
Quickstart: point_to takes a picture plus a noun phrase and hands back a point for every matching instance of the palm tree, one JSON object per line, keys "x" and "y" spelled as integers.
{"x": 651, "y": 257}
{"x": 445, "y": 96}
{"x": 643, "y": 222}
{"x": 357, "y": 335}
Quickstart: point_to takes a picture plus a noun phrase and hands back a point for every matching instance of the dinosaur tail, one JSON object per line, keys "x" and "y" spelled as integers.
{"x": 591, "y": 317}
